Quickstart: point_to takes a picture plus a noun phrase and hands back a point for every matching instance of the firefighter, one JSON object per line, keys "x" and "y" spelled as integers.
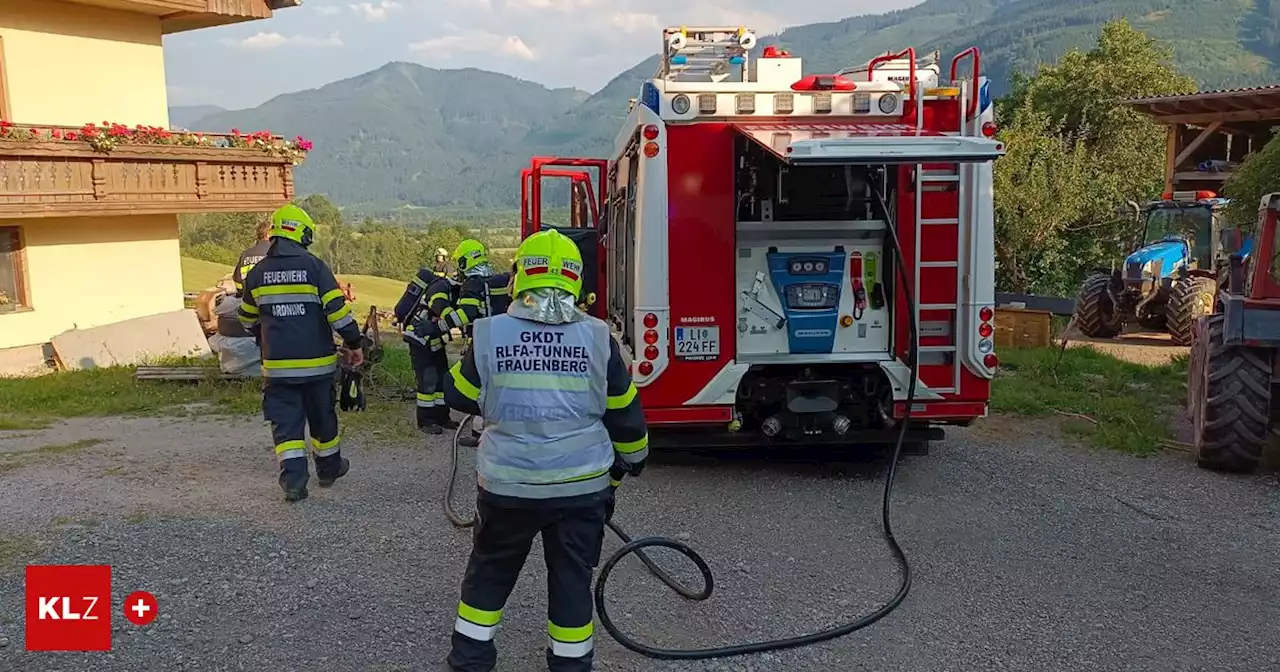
{"x": 442, "y": 261}
{"x": 252, "y": 255}
{"x": 562, "y": 425}
{"x": 292, "y": 305}
{"x": 426, "y": 349}
{"x": 484, "y": 292}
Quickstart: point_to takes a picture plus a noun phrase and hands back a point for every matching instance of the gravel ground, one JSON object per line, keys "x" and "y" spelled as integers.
{"x": 1029, "y": 554}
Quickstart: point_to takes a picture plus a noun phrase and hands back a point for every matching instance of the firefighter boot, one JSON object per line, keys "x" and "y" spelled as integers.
{"x": 327, "y": 478}
{"x": 293, "y": 478}
{"x": 427, "y": 421}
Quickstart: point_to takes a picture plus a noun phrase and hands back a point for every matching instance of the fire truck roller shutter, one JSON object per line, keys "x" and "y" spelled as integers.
{"x": 827, "y": 143}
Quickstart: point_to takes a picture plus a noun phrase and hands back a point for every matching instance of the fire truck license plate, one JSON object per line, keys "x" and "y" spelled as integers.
{"x": 698, "y": 343}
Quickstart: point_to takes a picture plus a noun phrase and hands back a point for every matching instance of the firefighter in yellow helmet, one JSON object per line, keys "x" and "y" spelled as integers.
{"x": 292, "y": 305}
{"x": 563, "y": 425}
{"x": 483, "y": 293}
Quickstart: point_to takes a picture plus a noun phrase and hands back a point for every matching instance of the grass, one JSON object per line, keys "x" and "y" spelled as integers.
{"x": 17, "y": 550}
{"x": 34, "y": 403}
{"x": 1114, "y": 403}
{"x": 57, "y": 448}
{"x": 198, "y": 275}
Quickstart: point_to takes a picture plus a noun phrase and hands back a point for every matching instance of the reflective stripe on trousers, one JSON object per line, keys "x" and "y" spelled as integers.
{"x": 477, "y": 624}
{"x": 430, "y": 400}
{"x": 570, "y": 642}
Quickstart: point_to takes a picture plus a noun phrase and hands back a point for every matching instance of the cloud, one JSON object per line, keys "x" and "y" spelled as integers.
{"x": 275, "y": 40}
{"x": 635, "y": 22}
{"x": 474, "y": 41}
{"x": 327, "y": 10}
{"x": 553, "y": 5}
{"x": 375, "y": 12}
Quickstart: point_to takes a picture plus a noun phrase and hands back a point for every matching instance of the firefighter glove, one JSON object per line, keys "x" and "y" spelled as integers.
{"x": 351, "y": 394}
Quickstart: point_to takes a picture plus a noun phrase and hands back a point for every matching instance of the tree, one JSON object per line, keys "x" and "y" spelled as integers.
{"x": 1104, "y": 151}
{"x": 1258, "y": 176}
{"x": 1042, "y": 187}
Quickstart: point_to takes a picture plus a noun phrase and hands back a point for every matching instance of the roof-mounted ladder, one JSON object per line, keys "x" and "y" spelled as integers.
{"x": 705, "y": 53}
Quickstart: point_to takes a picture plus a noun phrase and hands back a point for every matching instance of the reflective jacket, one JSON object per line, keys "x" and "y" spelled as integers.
{"x": 558, "y": 404}
{"x": 246, "y": 261}
{"x": 481, "y": 297}
{"x": 292, "y": 304}
{"x": 413, "y": 300}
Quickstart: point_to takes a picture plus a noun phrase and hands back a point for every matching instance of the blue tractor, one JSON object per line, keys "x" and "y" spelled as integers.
{"x": 1171, "y": 280}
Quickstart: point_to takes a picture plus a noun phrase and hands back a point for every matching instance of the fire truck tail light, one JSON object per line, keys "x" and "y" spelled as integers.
{"x": 650, "y": 321}
{"x": 984, "y": 330}
{"x": 651, "y": 352}
{"x": 989, "y": 129}
{"x": 651, "y": 149}
{"x": 986, "y": 314}
{"x": 651, "y": 132}
{"x": 990, "y": 361}
{"x": 645, "y": 368}
{"x": 651, "y": 337}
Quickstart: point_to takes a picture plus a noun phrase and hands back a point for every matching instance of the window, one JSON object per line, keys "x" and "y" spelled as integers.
{"x": 13, "y": 294}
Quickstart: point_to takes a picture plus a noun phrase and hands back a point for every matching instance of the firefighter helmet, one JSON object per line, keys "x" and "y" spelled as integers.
{"x": 549, "y": 259}
{"x": 293, "y": 223}
{"x": 469, "y": 254}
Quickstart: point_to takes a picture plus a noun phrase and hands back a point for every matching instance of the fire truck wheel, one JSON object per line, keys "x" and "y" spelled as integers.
{"x": 1231, "y": 413}
{"x": 1189, "y": 300}
{"x": 1095, "y": 311}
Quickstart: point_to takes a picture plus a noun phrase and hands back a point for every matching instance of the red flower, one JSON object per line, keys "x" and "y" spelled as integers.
{"x": 55, "y": 134}
{"x": 71, "y": 135}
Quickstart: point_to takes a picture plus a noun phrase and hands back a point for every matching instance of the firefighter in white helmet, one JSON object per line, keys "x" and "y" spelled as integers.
{"x": 563, "y": 424}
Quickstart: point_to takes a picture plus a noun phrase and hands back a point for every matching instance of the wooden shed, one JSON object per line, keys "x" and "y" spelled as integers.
{"x": 1210, "y": 133}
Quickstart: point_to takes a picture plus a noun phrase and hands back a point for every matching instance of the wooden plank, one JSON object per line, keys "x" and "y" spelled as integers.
{"x": 1269, "y": 114}
{"x": 1172, "y": 133}
{"x": 1195, "y": 144}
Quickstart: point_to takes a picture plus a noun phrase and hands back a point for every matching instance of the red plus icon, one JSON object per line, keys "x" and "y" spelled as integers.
{"x": 140, "y": 607}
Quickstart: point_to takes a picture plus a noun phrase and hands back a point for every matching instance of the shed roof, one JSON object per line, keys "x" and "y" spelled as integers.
{"x": 1258, "y": 103}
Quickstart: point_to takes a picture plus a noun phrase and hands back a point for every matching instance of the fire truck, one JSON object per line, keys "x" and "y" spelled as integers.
{"x": 767, "y": 243}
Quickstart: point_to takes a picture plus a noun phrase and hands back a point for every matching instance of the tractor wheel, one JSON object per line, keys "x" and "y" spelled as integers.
{"x": 1229, "y": 395}
{"x": 1095, "y": 311}
{"x": 1189, "y": 300}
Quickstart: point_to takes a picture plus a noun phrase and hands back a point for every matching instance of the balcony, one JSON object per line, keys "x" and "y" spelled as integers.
{"x": 181, "y": 15}
{"x": 96, "y": 171}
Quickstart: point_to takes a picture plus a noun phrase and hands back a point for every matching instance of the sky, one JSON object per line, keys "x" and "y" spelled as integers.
{"x": 558, "y": 43}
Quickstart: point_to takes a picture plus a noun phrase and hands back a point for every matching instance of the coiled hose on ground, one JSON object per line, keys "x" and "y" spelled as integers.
{"x": 636, "y": 546}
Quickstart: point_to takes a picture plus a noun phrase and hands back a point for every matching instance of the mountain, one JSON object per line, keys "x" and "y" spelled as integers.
{"x": 182, "y": 116}
{"x": 406, "y": 134}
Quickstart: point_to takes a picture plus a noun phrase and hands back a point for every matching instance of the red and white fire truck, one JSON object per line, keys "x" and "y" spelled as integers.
{"x": 744, "y": 231}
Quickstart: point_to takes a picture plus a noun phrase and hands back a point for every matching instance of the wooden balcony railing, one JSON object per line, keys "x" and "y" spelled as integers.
{"x": 59, "y": 172}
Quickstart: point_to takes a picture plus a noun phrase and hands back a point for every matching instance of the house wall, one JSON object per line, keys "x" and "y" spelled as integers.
{"x": 67, "y": 65}
{"x": 70, "y": 64}
{"x": 89, "y": 271}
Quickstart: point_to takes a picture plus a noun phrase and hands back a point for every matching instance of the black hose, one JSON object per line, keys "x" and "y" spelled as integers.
{"x": 636, "y": 546}
{"x": 671, "y": 582}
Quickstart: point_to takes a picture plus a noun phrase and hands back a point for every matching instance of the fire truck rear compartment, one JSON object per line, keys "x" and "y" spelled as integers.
{"x": 816, "y": 281}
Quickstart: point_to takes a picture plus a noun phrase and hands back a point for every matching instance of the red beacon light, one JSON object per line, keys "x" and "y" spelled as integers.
{"x": 824, "y": 83}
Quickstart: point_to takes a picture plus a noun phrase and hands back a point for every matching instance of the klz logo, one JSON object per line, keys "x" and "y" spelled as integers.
{"x": 68, "y": 608}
